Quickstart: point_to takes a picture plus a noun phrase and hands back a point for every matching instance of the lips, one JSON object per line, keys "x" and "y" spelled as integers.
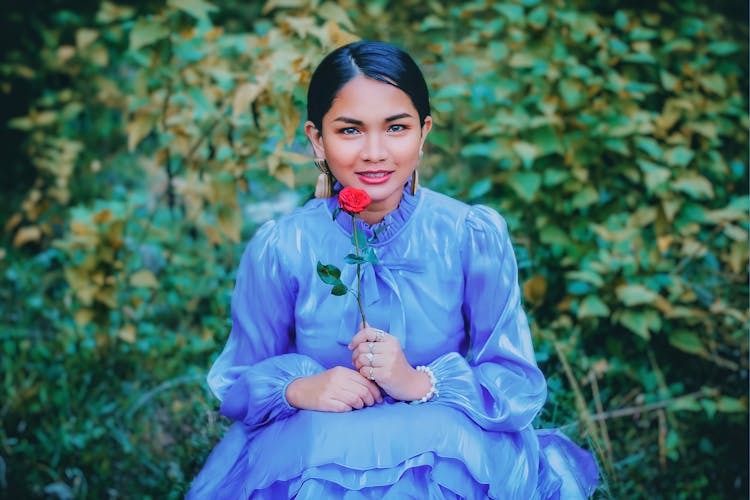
{"x": 375, "y": 176}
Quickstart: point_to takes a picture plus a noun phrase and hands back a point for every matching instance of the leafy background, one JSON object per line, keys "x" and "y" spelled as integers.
{"x": 145, "y": 141}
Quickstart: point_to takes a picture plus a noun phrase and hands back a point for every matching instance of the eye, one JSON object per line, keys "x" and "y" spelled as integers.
{"x": 348, "y": 131}
{"x": 397, "y": 128}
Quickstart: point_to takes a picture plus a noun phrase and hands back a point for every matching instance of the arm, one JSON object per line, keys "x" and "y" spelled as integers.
{"x": 252, "y": 373}
{"x": 498, "y": 384}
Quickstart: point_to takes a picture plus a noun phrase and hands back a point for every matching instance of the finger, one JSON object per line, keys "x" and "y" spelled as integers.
{"x": 369, "y": 373}
{"x": 359, "y": 337}
{"x": 337, "y": 406}
{"x": 351, "y": 397}
{"x": 367, "y": 396}
{"x": 371, "y": 386}
{"x": 375, "y": 391}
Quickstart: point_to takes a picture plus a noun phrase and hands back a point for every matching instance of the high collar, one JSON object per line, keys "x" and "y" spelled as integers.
{"x": 384, "y": 230}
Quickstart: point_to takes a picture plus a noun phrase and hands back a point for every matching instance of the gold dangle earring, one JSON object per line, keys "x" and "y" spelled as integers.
{"x": 324, "y": 186}
{"x": 415, "y": 177}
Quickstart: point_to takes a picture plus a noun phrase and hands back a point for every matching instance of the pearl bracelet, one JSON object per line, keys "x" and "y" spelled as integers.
{"x": 433, "y": 383}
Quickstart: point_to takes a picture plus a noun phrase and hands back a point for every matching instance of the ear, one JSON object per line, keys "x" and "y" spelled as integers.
{"x": 316, "y": 139}
{"x": 425, "y": 130}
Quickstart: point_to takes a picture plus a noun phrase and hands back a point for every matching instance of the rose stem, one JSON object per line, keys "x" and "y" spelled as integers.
{"x": 359, "y": 277}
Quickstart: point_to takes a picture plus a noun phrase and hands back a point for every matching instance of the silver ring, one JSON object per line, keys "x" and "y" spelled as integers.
{"x": 371, "y": 377}
{"x": 370, "y": 357}
{"x": 379, "y": 334}
{"x": 372, "y": 346}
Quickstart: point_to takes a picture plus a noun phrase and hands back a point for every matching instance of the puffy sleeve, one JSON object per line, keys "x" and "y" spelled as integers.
{"x": 252, "y": 373}
{"x": 498, "y": 383}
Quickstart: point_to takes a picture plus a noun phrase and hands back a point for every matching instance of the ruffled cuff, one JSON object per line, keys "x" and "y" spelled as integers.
{"x": 258, "y": 396}
{"x": 481, "y": 392}
{"x": 455, "y": 381}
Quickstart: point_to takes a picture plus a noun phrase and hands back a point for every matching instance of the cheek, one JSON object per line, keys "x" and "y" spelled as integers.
{"x": 341, "y": 151}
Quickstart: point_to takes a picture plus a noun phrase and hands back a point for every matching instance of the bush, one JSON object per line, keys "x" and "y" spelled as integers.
{"x": 614, "y": 141}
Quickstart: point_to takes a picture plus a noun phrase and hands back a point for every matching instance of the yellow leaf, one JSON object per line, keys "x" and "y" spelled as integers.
{"x": 245, "y": 94}
{"x": 127, "y": 333}
{"x": 338, "y": 36}
{"x": 102, "y": 216}
{"x": 13, "y": 221}
{"x": 230, "y": 222}
{"x": 26, "y": 235}
{"x": 83, "y": 317}
{"x": 535, "y": 289}
{"x": 144, "y": 279}
{"x": 138, "y": 129}
{"x": 286, "y": 175}
{"x": 664, "y": 242}
{"x": 65, "y": 52}
{"x": 85, "y": 36}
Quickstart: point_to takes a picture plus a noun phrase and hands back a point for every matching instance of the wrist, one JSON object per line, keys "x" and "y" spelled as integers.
{"x": 429, "y": 384}
{"x": 421, "y": 385}
{"x": 293, "y": 392}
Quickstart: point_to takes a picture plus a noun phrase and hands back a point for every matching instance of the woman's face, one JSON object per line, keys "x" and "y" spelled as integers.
{"x": 371, "y": 139}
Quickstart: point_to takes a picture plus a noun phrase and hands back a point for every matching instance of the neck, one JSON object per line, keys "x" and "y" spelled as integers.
{"x": 377, "y": 211}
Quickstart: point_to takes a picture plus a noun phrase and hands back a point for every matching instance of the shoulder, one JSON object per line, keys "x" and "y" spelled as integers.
{"x": 469, "y": 219}
{"x": 302, "y": 219}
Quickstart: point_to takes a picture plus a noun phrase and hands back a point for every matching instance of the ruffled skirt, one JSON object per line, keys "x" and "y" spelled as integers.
{"x": 392, "y": 450}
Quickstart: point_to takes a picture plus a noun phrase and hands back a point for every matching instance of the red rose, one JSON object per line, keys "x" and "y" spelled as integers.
{"x": 353, "y": 201}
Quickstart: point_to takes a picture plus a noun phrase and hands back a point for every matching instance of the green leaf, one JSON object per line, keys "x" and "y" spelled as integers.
{"x": 634, "y": 321}
{"x": 585, "y": 275}
{"x": 527, "y": 152}
{"x": 330, "y": 274}
{"x": 654, "y": 175}
{"x": 480, "y": 188}
{"x": 685, "y": 404}
{"x": 731, "y": 405}
{"x": 592, "y": 306}
{"x": 687, "y": 341}
{"x": 354, "y": 259}
{"x": 621, "y": 20}
{"x": 723, "y": 48}
{"x": 696, "y": 186}
{"x": 359, "y": 239}
{"x": 585, "y": 197}
{"x": 199, "y": 9}
{"x": 526, "y": 184}
{"x": 145, "y": 32}
{"x": 538, "y": 17}
{"x": 370, "y": 256}
{"x": 650, "y": 146}
{"x": 679, "y": 156}
{"x": 633, "y": 295}
{"x": 714, "y": 83}
{"x": 339, "y": 289}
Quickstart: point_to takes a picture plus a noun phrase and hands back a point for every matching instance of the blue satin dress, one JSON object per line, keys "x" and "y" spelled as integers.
{"x": 447, "y": 288}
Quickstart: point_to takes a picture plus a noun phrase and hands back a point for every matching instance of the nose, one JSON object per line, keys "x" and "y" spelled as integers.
{"x": 374, "y": 148}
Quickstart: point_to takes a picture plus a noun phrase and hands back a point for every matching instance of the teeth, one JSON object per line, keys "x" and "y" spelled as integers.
{"x": 374, "y": 174}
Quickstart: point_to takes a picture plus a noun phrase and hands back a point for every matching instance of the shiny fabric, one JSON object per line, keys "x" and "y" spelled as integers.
{"x": 447, "y": 288}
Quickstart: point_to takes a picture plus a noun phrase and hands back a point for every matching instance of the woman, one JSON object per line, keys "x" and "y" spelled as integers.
{"x": 436, "y": 398}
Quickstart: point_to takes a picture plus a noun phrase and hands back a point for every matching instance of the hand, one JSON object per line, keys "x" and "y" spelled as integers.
{"x": 337, "y": 389}
{"x": 378, "y": 356}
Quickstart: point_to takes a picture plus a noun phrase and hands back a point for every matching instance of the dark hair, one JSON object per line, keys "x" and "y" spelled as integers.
{"x": 380, "y": 61}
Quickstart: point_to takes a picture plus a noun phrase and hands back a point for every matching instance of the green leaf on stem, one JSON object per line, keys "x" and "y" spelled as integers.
{"x": 354, "y": 259}
{"x": 359, "y": 239}
{"x": 330, "y": 274}
{"x": 370, "y": 256}
{"x": 339, "y": 289}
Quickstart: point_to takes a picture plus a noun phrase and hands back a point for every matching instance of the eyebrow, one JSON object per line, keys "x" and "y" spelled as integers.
{"x": 354, "y": 121}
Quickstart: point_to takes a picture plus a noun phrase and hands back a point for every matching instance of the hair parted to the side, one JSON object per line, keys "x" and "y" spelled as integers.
{"x": 380, "y": 61}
